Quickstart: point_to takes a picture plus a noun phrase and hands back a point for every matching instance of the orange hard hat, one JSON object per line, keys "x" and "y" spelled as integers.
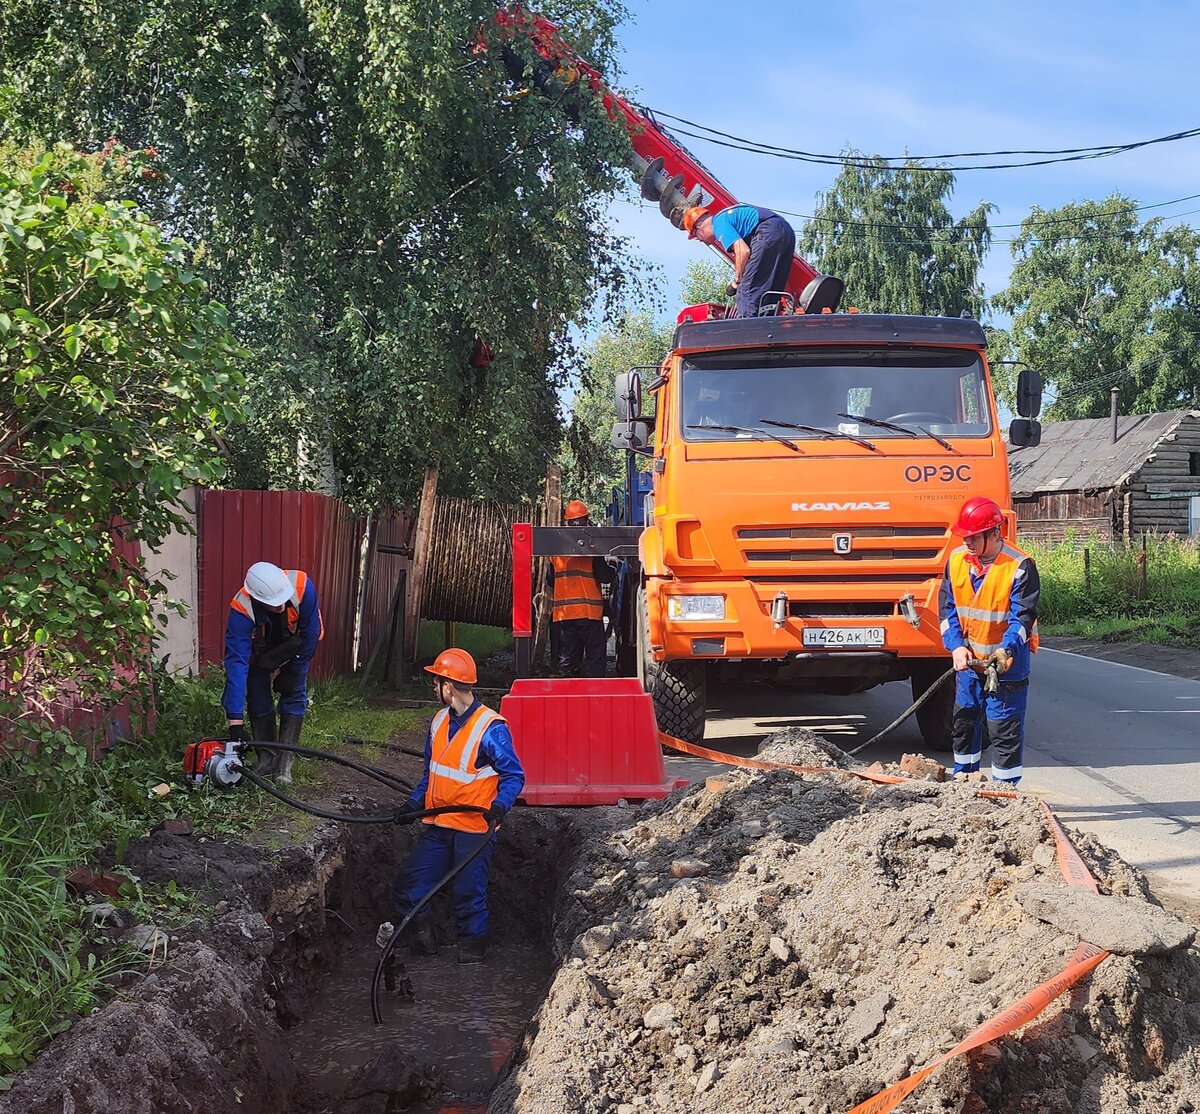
{"x": 977, "y": 515}
{"x": 690, "y": 219}
{"x": 576, "y": 508}
{"x": 455, "y": 665}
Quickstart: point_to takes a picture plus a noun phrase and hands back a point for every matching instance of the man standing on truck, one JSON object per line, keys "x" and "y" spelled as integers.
{"x": 469, "y": 760}
{"x": 273, "y": 629}
{"x": 578, "y": 614}
{"x": 762, "y": 244}
{"x": 989, "y": 600}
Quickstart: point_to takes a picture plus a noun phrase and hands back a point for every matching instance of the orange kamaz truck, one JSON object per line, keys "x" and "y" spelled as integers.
{"x": 805, "y": 471}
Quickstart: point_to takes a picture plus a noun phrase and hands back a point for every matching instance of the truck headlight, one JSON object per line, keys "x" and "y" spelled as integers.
{"x": 695, "y": 608}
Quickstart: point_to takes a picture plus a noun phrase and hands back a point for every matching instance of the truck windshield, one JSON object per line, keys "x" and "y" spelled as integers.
{"x": 937, "y": 392}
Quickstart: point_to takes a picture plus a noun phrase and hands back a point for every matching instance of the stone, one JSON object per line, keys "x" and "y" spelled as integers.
{"x": 754, "y": 828}
{"x": 84, "y": 881}
{"x": 918, "y": 766}
{"x": 712, "y": 1027}
{"x": 689, "y": 868}
{"x": 779, "y": 949}
{"x": 716, "y": 784}
{"x": 147, "y": 938}
{"x": 941, "y": 861}
{"x": 595, "y": 941}
{"x": 708, "y": 1077}
{"x": 1043, "y": 855}
{"x": 1084, "y": 1047}
{"x": 1121, "y": 925}
{"x": 661, "y": 1015}
{"x": 866, "y": 1019}
{"x": 978, "y": 972}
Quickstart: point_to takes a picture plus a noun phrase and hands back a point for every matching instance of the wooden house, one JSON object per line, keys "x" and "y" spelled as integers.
{"x": 1113, "y": 478}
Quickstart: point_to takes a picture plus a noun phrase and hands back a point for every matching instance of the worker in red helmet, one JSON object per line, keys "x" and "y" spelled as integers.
{"x": 989, "y": 601}
{"x": 762, "y": 244}
{"x": 271, "y": 634}
{"x": 578, "y": 603}
{"x": 469, "y": 760}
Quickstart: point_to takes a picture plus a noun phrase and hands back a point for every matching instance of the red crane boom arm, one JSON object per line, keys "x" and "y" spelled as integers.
{"x": 669, "y": 173}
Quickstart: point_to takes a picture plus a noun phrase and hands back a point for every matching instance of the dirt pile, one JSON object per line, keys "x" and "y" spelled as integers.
{"x": 799, "y": 942}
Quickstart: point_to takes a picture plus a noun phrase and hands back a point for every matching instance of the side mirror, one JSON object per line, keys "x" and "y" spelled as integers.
{"x": 1029, "y": 392}
{"x": 632, "y": 436}
{"x": 628, "y": 390}
{"x": 1025, "y": 433}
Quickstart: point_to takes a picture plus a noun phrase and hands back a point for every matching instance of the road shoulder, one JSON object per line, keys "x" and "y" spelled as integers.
{"x": 1177, "y": 661}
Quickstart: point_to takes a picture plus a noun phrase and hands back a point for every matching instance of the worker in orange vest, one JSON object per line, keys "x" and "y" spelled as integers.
{"x": 272, "y": 631}
{"x": 469, "y": 760}
{"x": 578, "y": 604}
{"x": 989, "y": 601}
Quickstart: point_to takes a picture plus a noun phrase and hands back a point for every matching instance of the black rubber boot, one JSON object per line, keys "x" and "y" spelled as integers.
{"x": 262, "y": 729}
{"x": 422, "y": 939}
{"x": 289, "y": 732}
{"x": 472, "y": 949}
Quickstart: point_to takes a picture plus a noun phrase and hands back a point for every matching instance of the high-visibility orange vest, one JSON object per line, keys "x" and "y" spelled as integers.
{"x": 576, "y": 593}
{"x": 454, "y": 777}
{"x": 243, "y": 602}
{"x": 986, "y": 613}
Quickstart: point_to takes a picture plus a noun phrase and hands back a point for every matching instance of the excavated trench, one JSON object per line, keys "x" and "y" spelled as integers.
{"x": 263, "y": 1002}
{"x": 765, "y": 941}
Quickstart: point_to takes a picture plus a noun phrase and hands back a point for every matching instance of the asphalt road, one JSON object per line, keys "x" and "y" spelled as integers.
{"x": 1113, "y": 749}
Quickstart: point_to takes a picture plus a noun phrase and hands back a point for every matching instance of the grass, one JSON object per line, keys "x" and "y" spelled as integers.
{"x": 1106, "y": 596}
{"x": 56, "y": 815}
{"x": 478, "y": 641}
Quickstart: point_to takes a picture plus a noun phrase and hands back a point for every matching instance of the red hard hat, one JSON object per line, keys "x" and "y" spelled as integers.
{"x": 576, "y": 508}
{"x": 977, "y": 515}
{"x": 455, "y": 665}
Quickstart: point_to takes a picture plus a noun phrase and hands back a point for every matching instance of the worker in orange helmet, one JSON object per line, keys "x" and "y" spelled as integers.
{"x": 578, "y": 603}
{"x": 762, "y": 244}
{"x": 469, "y": 760}
{"x": 989, "y": 601}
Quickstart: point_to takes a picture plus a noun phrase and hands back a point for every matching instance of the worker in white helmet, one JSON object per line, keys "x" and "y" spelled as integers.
{"x": 273, "y": 629}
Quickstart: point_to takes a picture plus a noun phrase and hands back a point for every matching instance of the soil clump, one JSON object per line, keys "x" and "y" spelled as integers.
{"x": 842, "y": 934}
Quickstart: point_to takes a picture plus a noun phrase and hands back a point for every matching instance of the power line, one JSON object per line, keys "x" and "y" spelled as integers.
{"x": 1061, "y": 155}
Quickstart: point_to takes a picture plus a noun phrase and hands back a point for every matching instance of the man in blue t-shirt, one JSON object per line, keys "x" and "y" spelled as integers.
{"x": 762, "y": 244}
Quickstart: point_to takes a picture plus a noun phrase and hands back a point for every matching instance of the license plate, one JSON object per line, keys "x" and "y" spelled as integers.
{"x": 843, "y": 636}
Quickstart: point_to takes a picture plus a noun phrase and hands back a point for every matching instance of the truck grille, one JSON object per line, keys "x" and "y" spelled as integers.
{"x": 869, "y": 543}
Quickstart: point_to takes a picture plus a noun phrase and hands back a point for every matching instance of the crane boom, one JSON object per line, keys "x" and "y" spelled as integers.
{"x": 666, "y": 170}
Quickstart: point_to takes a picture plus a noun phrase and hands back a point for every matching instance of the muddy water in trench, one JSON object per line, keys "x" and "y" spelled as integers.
{"x": 464, "y": 1018}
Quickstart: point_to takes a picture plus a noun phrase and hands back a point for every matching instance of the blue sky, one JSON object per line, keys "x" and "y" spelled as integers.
{"x": 922, "y": 77}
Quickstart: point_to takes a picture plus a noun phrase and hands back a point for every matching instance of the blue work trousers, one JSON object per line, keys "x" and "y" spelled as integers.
{"x": 260, "y": 700}
{"x": 438, "y": 850}
{"x": 581, "y": 642}
{"x": 772, "y": 245}
{"x": 1004, "y": 712}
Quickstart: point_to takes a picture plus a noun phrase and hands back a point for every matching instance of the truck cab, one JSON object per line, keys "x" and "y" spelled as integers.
{"x": 806, "y": 469}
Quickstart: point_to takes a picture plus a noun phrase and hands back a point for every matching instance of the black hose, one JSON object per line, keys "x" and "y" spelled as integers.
{"x": 392, "y": 781}
{"x": 313, "y": 810}
{"x": 376, "y": 1013}
{"x": 354, "y": 740}
{"x": 904, "y": 715}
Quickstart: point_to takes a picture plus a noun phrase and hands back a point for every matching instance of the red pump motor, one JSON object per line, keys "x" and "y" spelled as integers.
{"x": 218, "y": 760}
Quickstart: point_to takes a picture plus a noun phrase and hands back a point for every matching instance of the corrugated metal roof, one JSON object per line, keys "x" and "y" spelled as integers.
{"x": 1081, "y": 455}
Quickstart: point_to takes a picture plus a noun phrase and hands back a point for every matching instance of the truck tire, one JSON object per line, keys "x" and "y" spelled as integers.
{"x": 936, "y": 715}
{"x": 676, "y": 687}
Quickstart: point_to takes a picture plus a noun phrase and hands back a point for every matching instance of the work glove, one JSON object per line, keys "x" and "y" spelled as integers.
{"x": 494, "y": 813}
{"x": 407, "y": 813}
{"x": 278, "y": 655}
{"x": 1001, "y": 659}
{"x": 287, "y": 682}
{"x": 236, "y": 733}
{"x": 731, "y": 290}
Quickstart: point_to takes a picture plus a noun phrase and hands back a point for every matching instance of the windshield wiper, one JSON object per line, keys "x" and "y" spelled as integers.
{"x": 822, "y": 432}
{"x": 750, "y": 429}
{"x": 884, "y": 424}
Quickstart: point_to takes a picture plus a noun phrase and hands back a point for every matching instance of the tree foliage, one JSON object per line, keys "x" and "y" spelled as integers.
{"x": 1100, "y": 299}
{"x": 373, "y": 197}
{"x": 591, "y": 466}
{"x": 116, "y": 371}
{"x": 888, "y": 232}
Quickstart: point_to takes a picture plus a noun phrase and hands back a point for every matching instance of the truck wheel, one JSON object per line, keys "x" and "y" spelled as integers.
{"x": 935, "y": 716}
{"x": 676, "y": 687}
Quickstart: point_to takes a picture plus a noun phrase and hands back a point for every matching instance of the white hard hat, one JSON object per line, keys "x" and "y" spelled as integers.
{"x": 268, "y": 583}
